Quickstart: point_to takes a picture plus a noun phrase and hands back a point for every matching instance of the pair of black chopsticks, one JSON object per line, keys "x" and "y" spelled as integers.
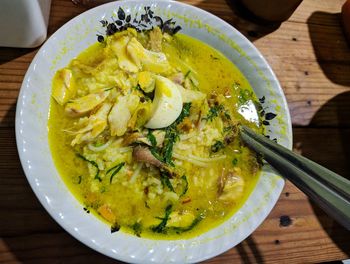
{"x": 326, "y": 188}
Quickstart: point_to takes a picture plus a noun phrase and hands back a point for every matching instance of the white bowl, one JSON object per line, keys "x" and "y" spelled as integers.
{"x": 32, "y": 135}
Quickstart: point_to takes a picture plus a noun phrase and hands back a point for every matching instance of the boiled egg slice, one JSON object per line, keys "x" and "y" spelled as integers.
{"x": 167, "y": 104}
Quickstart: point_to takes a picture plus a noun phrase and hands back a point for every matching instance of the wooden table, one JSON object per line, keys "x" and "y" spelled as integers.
{"x": 311, "y": 58}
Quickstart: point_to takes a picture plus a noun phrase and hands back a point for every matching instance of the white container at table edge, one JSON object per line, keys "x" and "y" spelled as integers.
{"x": 23, "y": 23}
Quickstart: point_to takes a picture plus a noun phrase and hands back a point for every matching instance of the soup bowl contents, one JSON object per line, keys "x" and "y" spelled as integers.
{"x": 144, "y": 129}
{"x": 137, "y": 132}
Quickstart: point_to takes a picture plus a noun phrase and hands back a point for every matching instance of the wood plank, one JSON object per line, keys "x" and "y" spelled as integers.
{"x": 54, "y": 247}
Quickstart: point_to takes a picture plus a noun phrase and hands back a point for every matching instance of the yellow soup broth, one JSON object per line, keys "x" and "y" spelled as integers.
{"x": 199, "y": 172}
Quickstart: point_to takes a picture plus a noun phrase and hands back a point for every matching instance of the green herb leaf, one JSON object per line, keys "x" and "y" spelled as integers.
{"x": 172, "y": 135}
{"x": 228, "y": 129}
{"x": 187, "y": 73}
{"x": 191, "y": 78}
{"x": 155, "y": 153}
{"x": 152, "y": 138}
{"x": 93, "y": 163}
{"x": 236, "y": 86}
{"x": 137, "y": 227}
{"x": 227, "y": 115}
{"x": 98, "y": 144}
{"x": 244, "y": 96}
{"x": 217, "y": 146}
{"x": 185, "y": 185}
{"x": 115, "y": 170}
{"x": 161, "y": 228}
{"x": 110, "y": 88}
{"x": 185, "y": 112}
{"x": 179, "y": 230}
{"x": 166, "y": 182}
{"x": 214, "y": 112}
{"x": 234, "y": 162}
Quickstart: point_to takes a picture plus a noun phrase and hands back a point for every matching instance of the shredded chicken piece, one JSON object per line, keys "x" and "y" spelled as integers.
{"x": 62, "y": 89}
{"x": 85, "y": 104}
{"x": 146, "y": 81}
{"x": 190, "y": 95}
{"x": 121, "y": 113}
{"x": 177, "y": 78}
{"x": 119, "y": 116}
{"x": 129, "y": 139}
{"x": 230, "y": 186}
{"x": 94, "y": 125}
{"x": 143, "y": 154}
{"x": 119, "y": 46}
{"x": 146, "y": 59}
{"x": 138, "y": 137}
{"x": 221, "y": 182}
{"x": 155, "y": 39}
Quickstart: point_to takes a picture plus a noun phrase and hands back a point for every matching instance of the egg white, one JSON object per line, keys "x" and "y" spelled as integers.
{"x": 167, "y": 104}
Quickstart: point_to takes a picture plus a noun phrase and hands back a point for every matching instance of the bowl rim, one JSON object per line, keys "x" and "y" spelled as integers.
{"x": 114, "y": 5}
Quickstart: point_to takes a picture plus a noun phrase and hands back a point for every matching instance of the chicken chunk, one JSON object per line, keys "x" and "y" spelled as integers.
{"x": 85, "y": 104}
{"x": 63, "y": 88}
{"x": 94, "y": 125}
{"x": 190, "y": 95}
{"x": 119, "y": 46}
{"x": 230, "y": 186}
{"x": 181, "y": 219}
{"x": 143, "y": 154}
{"x": 121, "y": 113}
{"x": 152, "y": 61}
{"x": 155, "y": 39}
{"x": 147, "y": 81}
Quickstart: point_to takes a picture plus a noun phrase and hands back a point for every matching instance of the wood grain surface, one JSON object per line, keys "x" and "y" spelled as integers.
{"x": 311, "y": 59}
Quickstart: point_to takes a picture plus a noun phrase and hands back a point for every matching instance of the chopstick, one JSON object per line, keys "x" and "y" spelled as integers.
{"x": 326, "y": 188}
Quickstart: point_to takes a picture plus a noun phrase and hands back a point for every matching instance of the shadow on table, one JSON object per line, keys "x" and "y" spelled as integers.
{"x": 330, "y": 46}
{"x": 338, "y": 110}
{"x": 27, "y": 233}
{"x": 236, "y": 15}
{"x": 336, "y": 113}
{"x": 249, "y": 244}
{"x": 247, "y": 23}
{"x": 9, "y": 54}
